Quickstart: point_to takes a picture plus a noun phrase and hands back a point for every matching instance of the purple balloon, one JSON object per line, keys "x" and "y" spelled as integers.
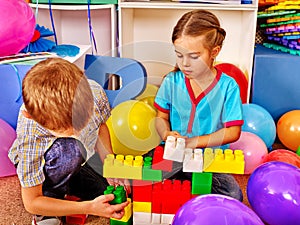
{"x": 273, "y": 191}
{"x": 215, "y": 209}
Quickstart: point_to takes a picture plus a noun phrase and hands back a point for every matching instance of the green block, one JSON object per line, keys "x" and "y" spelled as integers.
{"x": 78, "y": 2}
{"x": 118, "y": 222}
{"x": 201, "y": 183}
{"x": 152, "y": 175}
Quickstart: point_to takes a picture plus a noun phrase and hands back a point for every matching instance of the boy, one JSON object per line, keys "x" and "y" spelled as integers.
{"x": 60, "y": 126}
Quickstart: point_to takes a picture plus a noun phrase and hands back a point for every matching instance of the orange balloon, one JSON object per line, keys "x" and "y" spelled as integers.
{"x": 288, "y": 129}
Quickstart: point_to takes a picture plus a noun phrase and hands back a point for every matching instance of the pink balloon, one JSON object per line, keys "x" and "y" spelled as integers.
{"x": 7, "y": 137}
{"x": 254, "y": 149}
{"x": 17, "y": 25}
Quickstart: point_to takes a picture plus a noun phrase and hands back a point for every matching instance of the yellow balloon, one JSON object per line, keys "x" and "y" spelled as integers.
{"x": 132, "y": 128}
{"x": 148, "y": 95}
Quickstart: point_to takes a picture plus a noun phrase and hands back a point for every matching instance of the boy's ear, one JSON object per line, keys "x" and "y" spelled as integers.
{"x": 216, "y": 50}
{"x": 26, "y": 114}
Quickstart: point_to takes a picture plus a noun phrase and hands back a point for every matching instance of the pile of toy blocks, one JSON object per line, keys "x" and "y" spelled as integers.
{"x": 156, "y": 200}
{"x": 281, "y": 25}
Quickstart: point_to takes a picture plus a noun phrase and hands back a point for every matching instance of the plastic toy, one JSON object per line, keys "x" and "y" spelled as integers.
{"x": 193, "y": 160}
{"x": 227, "y": 161}
{"x": 7, "y": 137}
{"x": 201, "y": 183}
{"x": 148, "y": 173}
{"x": 123, "y": 167}
{"x": 132, "y": 128}
{"x": 17, "y": 24}
{"x": 259, "y": 121}
{"x": 214, "y": 209}
{"x": 288, "y": 129}
{"x": 174, "y": 149}
{"x": 159, "y": 163}
{"x": 273, "y": 192}
{"x": 131, "y": 73}
{"x": 254, "y": 150}
{"x": 76, "y": 219}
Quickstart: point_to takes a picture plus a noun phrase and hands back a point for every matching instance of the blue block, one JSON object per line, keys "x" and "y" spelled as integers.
{"x": 275, "y": 82}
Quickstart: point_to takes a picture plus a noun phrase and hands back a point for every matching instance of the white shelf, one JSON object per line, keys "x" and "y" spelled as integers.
{"x": 72, "y": 25}
{"x": 180, "y": 5}
{"x": 70, "y": 7}
{"x": 145, "y": 30}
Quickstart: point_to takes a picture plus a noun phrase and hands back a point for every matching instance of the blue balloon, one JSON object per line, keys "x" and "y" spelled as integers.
{"x": 215, "y": 209}
{"x": 273, "y": 192}
{"x": 259, "y": 121}
{"x": 11, "y": 77}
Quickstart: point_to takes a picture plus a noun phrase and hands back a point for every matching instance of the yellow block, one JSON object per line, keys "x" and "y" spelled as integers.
{"x": 128, "y": 212}
{"x": 127, "y": 167}
{"x": 227, "y": 161}
{"x": 142, "y": 206}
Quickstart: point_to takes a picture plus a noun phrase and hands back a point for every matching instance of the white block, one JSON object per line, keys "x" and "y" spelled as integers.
{"x": 142, "y": 217}
{"x": 174, "y": 150}
{"x": 193, "y": 161}
{"x": 167, "y": 218}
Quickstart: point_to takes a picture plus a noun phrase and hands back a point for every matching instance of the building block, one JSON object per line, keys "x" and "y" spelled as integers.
{"x": 141, "y": 191}
{"x": 227, "y": 161}
{"x": 174, "y": 149}
{"x": 159, "y": 163}
{"x": 142, "y": 207}
{"x": 119, "y": 193}
{"x": 127, "y": 214}
{"x": 127, "y": 167}
{"x": 157, "y": 196}
{"x": 156, "y": 218}
{"x": 76, "y": 219}
{"x": 201, "y": 183}
{"x": 148, "y": 173}
{"x": 118, "y": 222}
{"x": 193, "y": 160}
{"x": 167, "y": 218}
{"x": 142, "y": 217}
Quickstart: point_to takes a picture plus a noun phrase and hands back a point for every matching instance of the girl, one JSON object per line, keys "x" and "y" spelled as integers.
{"x": 196, "y": 101}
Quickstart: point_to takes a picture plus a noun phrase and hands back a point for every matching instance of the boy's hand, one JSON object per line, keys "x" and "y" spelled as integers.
{"x": 101, "y": 207}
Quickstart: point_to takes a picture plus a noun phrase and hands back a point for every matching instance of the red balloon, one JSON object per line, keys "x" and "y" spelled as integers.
{"x": 238, "y": 75}
{"x": 283, "y": 155}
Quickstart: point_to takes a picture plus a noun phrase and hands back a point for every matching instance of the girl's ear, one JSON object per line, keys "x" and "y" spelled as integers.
{"x": 215, "y": 52}
{"x": 26, "y": 114}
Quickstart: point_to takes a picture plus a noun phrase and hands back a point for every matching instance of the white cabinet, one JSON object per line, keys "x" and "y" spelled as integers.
{"x": 72, "y": 26}
{"x": 145, "y": 30}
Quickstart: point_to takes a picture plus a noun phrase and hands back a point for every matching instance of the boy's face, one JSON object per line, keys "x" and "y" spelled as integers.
{"x": 192, "y": 58}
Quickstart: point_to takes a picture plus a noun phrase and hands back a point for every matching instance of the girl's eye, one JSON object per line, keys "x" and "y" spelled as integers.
{"x": 194, "y": 56}
{"x": 179, "y": 56}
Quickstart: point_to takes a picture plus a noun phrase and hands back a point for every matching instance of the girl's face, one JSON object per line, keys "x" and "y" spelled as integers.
{"x": 192, "y": 58}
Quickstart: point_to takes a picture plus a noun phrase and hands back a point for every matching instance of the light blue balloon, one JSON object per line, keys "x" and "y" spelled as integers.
{"x": 259, "y": 121}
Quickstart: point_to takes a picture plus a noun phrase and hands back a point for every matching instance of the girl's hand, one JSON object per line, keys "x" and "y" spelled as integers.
{"x": 120, "y": 182}
{"x": 174, "y": 134}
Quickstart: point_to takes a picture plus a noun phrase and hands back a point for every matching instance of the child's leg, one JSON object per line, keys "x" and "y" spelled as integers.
{"x": 89, "y": 182}
{"x": 62, "y": 160}
{"x": 225, "y": 184}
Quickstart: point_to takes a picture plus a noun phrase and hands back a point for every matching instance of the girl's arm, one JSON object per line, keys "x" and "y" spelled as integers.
{"x": 163, "y": 126}
{"x": 218, "y": 138}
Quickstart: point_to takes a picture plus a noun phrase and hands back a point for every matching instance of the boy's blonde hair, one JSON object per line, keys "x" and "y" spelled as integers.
{"x": 57, "y": 95}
